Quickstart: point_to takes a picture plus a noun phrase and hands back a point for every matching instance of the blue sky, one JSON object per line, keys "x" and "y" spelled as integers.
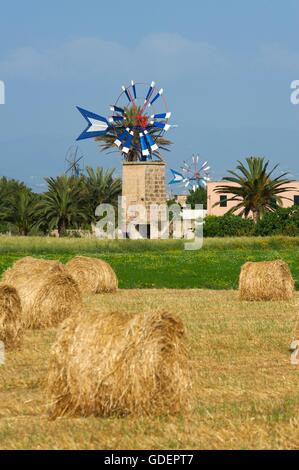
{"x": 226, "y": 67}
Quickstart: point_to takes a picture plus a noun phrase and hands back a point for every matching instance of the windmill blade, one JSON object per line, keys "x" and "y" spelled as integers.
{"x": 117, "y": 109}
{"x": 128, "y": 143}
{"x": 160, "y": 125}
{"x": 185, "y": 165}
{"x": 74, "y": 166}
{"x": 160, "y": 93}
{"x": 116, "y": 119}
{"x": 118, "y": 142}
{"x": 203, "y": 165}
{"x": 97, "y": 125}
{"x": 188, "y": 184}
{"x": 151, "y": 141}
{"x": 177, "y": 177}
{"x": 134, "y": 89}
{"x": 161, "y": 116}
{"x": 150, "y": 91}
{"x": 143, "y": 143}
{"x": 126, "y": 92}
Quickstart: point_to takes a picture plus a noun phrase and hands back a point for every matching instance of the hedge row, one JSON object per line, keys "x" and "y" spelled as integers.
{"x": 281, "y": 222}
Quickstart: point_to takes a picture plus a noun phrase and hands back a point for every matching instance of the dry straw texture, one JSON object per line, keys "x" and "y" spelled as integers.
{"x": 48, "y": 293}
{"x": 106, "y": 364}
{"x": 11, "y": 331}
{"x": 92, "y": 275}
{"x": 266, "y": 281}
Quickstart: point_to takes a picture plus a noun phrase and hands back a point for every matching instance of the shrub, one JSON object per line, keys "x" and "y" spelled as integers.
{"x": 228, "y": 226}
{"x": 281, "y": 222}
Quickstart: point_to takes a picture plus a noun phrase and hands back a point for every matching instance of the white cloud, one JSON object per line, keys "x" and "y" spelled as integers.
{"x": 165, "y": 53}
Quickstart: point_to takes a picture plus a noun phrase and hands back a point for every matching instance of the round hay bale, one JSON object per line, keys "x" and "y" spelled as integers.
{"x": 104, "y": 364}
{"x": 11, "y": 331}
{"x": 92, "y": 275}
{"x": 48, "y": 293}
{"x": 269, "y": 280}
{"x": 28, "y": 266}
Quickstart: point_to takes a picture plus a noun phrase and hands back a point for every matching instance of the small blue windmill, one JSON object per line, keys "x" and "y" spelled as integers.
{"x": 192, "y": 175}
{"x": 139, "y": 116}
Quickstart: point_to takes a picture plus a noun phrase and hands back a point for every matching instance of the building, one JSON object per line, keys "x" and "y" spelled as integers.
{"x": 224, "y": 205}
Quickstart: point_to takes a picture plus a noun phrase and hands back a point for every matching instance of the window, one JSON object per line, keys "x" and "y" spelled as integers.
{"x": 223, "y": 201}
{"x": 296, "y": 200}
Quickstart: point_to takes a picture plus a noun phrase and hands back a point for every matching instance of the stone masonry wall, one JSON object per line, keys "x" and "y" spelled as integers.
{"x": 144, "y": 183}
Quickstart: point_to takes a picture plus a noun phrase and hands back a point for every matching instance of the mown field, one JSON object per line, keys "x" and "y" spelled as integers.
{"x": 162, "y": 264}
{"x": 246, "y": 393}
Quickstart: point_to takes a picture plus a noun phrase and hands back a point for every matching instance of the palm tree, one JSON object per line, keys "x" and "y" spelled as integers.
{"x": 255, "y": 189}
{"x": 62, "y": 205}
{"x": 9, "y": 193}
{"x": 107, "y": 140}
{"x": 100, "y": 188}
{"x": 23, "y": 212}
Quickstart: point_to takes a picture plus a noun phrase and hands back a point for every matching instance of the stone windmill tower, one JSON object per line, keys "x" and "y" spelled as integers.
{"x": 137, "y": 127}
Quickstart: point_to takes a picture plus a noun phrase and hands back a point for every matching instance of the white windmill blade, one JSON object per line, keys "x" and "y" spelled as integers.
{"x": 197, "y": 158}
{"x": 203, "y": 165}
{"x": 188, "y": 184}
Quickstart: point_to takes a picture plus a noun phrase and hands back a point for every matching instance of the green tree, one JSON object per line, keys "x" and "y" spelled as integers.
{"x": 16, "y": 206}
{"x": 131, "y": 120}
{"x": 100, "y": 187}
{"x": 62, "y": 206}
{"x": 199, "y": 196}
{"x": 255, "y": 189}
{"x": 23, "y": 212}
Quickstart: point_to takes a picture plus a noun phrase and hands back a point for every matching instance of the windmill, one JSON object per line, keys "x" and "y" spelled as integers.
{"x": 140, "y": 116}
{"x": 72, "y": 160}
{"x": 192, "y": 175}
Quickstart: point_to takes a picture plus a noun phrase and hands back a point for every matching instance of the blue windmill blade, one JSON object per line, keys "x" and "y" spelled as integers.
{"x": 117, "y": 109}
{"x": 160, "y": 125}
{"x": 151, "y": 142}
{"x": 177, "y": 177}
{"x": 143, "y": 143}
{"x": 161, "y": 116}
{"x": 119, "y": 141}
{"x": 134, "y": 89}
{"x": 97, "y": 125}
{"x": 127, "y": 93}
{"x": 160, "y": 93}
{"x": 128, "y": 143}
{"x": 116, "y": 119}
{"x": 150, "y": 91}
